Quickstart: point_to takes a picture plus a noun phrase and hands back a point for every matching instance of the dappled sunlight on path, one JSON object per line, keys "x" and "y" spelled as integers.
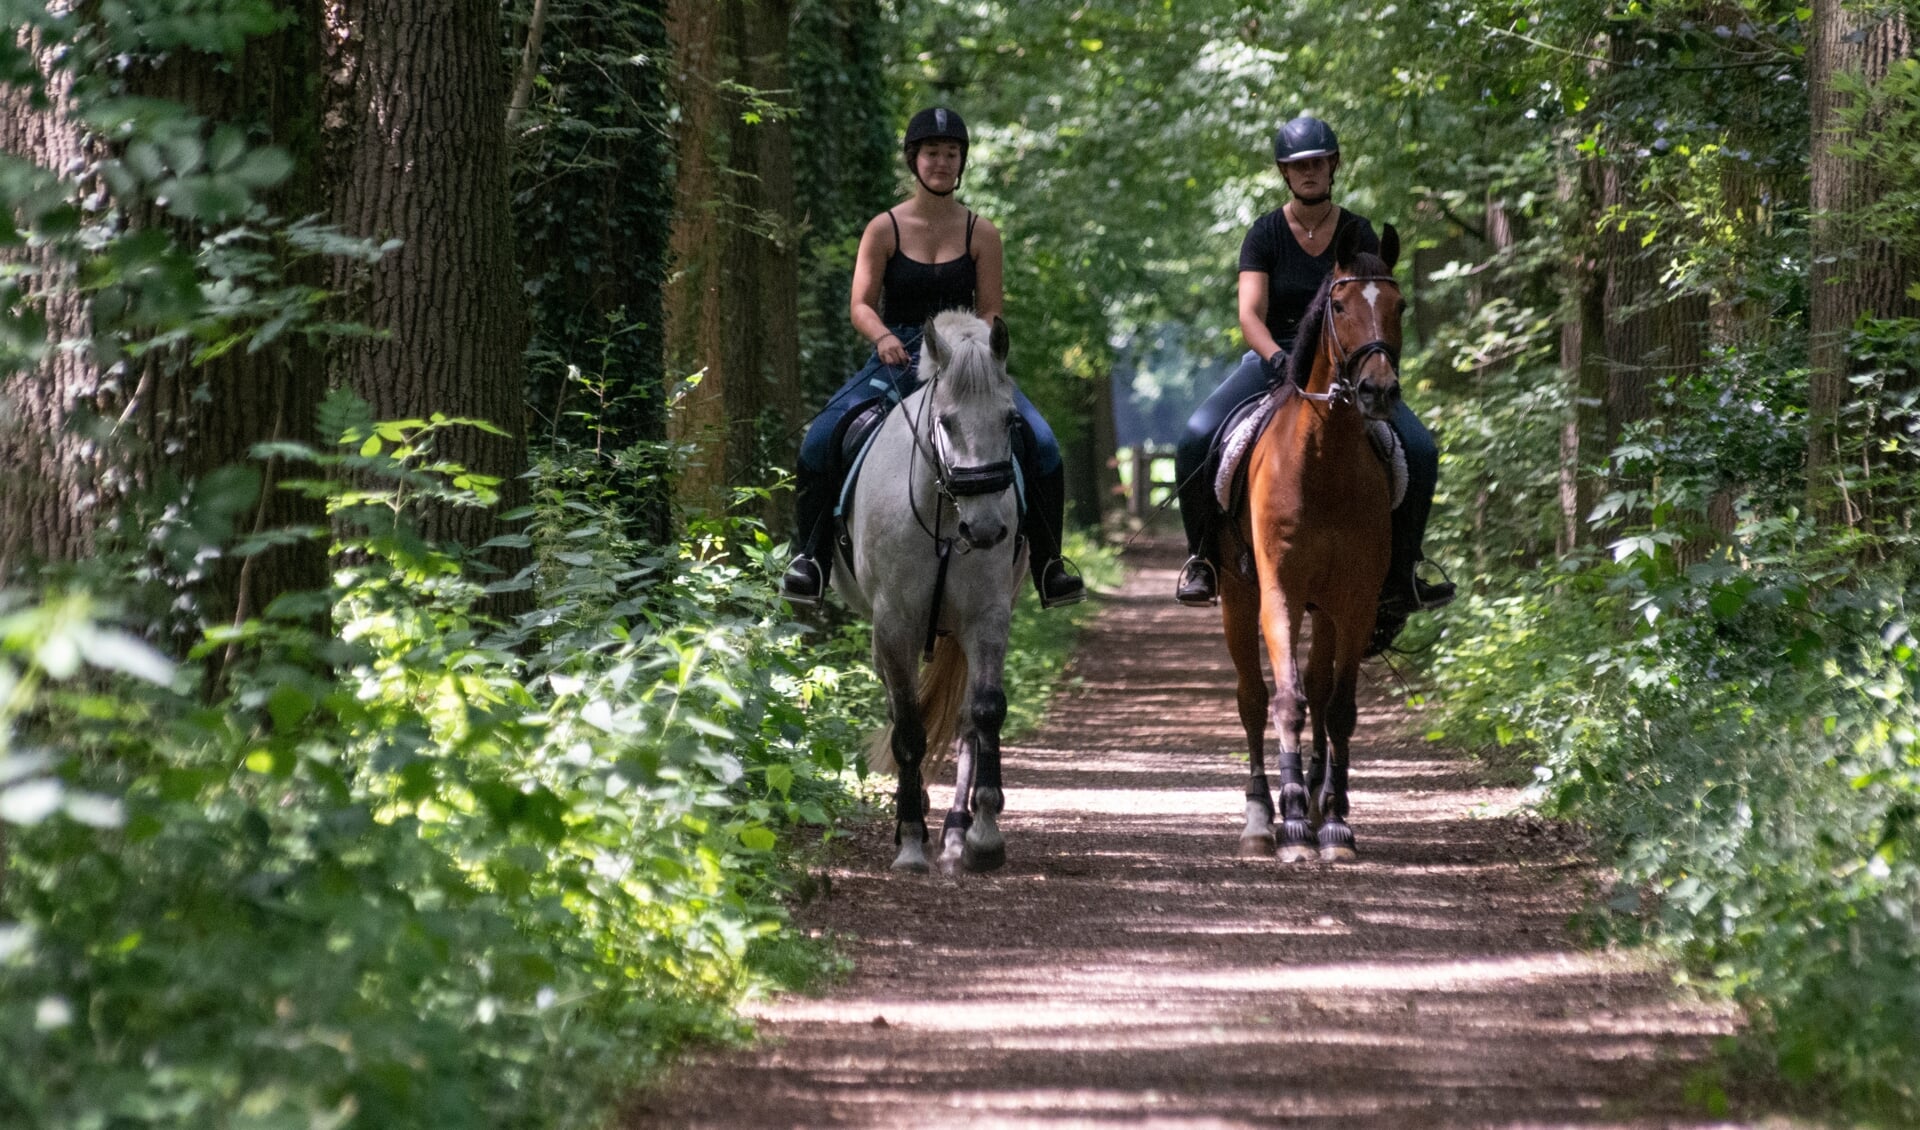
{"x": 1126, "y": 969}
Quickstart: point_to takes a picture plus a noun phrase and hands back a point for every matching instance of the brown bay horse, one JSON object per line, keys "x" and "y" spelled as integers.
{"x": 1312, "y": 541}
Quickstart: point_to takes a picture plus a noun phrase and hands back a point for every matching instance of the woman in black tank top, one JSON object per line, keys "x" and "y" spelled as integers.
{"x": 927, "y": 254}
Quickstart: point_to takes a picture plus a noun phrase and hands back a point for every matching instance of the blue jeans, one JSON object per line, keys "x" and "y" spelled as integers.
{"x": 1194, "y": 466}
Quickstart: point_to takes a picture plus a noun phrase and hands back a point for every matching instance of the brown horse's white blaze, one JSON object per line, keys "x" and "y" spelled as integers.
{"x": 1316, "y": 529}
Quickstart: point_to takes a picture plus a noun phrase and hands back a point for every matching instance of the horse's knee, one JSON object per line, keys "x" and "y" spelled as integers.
{"x": 989, "y": 709}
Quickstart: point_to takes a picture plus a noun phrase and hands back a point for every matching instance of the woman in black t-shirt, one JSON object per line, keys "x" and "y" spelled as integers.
{"x": 1285, "y": 257}
{"x": 927, "y": 254}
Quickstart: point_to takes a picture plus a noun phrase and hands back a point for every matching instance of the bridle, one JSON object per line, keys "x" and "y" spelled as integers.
{"x": 952, "y": 483}
{"x": 1345, "y": 360}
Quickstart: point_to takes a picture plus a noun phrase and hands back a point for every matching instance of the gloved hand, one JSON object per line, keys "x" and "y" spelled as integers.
{"x": 1276, "y": 368}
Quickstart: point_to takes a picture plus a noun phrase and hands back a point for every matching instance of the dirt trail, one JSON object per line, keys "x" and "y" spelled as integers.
{"x": 1125, "y": 968}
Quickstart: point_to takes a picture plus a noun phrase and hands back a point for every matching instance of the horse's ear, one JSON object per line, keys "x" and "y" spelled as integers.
{"x": 1346, "y": 242}
{"x": 1390, "y": 246}
{"x": 997, "y": 340}
{"x": 935, "y": 348}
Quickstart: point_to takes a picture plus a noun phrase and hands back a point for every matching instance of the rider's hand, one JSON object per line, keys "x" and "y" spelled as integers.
{"x": 891, "y": 351}
{"x": 1276, "y": 367}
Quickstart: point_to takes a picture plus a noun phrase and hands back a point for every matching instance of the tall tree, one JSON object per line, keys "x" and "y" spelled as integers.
{"x": 49, "y": 470}
{"x": 593, "y": 202}
{"x": 731, "y": 315}
{"x": 1855, "y": 274}
{"x": 417, "y": 153}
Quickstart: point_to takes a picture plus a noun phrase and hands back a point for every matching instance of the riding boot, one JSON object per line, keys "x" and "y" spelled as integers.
{"x": 805, "y": 581}
{"x": 1199, "y": 583}
{"x": 1405, "y": 592}
{"x": 1053, "y": 577}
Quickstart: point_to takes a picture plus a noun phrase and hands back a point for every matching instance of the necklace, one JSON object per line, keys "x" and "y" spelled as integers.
{"x": 1314, "y": 226}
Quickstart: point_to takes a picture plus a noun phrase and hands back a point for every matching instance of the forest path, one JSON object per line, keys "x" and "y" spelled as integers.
{"x": 1126, "y": 968}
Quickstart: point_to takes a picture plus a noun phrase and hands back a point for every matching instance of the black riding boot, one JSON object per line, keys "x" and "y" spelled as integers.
{"x": 1046, "y": 514}
{"x": 805, "y": 581}
{"x": 1405, "y": 592}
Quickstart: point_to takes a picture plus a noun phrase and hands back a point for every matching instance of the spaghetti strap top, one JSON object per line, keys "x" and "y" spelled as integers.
{"x": 912, "y": 291}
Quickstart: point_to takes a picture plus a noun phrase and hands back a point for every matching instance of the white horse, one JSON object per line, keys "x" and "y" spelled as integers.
{"x": 932, "y": 556}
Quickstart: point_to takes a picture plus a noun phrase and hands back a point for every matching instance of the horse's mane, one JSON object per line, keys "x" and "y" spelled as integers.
{"x": 1306, "y": 341}
{"x": 971, "y": 370}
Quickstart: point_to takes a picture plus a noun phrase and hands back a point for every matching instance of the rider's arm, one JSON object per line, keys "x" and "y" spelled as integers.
{"x": 989, "y": 271}
{"x": 869, "y": 268}
{"x": 1253, "y": 313}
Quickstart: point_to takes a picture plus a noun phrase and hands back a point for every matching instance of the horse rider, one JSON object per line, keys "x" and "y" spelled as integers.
{"x": 926, "y": 254}
{"x": 1286, "y": 255}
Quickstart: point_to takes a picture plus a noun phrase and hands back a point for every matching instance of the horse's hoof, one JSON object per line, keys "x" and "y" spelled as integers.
{"x": 1338, "y": 854}
{"x": 911, "y": 866}
{"x": 1296, "y": 853}
{"x": 982, "y": 860}
{"x": 1256, "y": 847}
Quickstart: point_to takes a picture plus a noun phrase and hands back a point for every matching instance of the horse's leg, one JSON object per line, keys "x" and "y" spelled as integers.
{"x": 895, "y": 661}
{"x": 1336, "y": 839}
{"x": 1280, "y": 623}
{"x": 1240, "y": 608}
{"x": 987, "y": 709}
{"x": 959, "y": 819}
{"x": 1319, "y": 684}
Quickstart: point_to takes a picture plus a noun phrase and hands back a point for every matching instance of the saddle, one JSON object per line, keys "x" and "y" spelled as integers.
{"x": 1249, "y": 419}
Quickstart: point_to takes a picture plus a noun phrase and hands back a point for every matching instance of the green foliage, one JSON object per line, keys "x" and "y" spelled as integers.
{"x": 417, "y": 870}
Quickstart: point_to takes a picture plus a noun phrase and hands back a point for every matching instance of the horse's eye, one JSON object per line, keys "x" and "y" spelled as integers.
{"x": 1403, "y": 306}
{"x": 946, "y": 423}
{"x": 1339, "y": 307}
{"x": 1013, "y": 419}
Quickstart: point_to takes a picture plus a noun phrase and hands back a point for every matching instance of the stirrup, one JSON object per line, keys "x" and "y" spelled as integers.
{"x": 801, "y": 583}
{"x": 1058, "y": 569}
{"x": 1433, "y": 596}
{"x": 1198, "y": 586}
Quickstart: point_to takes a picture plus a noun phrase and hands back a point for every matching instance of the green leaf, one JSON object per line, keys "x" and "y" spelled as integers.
{"x": 757, "y": 838}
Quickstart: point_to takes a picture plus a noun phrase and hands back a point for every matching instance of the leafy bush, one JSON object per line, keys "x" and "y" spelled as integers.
{"x": 420, "y": 869}
{"x": 1741, "y": 733}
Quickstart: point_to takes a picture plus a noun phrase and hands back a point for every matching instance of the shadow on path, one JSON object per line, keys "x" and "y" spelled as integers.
{"x": 1126, "y": 969}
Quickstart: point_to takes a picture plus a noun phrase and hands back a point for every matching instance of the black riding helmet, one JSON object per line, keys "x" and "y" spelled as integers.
{"x": 935, "y": 123}
{"x": 1304, "y": 137}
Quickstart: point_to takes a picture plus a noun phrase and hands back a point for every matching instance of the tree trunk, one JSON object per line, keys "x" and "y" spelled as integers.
{"x": 190, "y": 419}
{"x": 1583, "y": 367}
{"x": 50, "y": 488}
{"x": 593, "y": 208}
{"x": 731, "y": 248}
{"x": 417, "y": 152}
{"x": 1854, "y": 275}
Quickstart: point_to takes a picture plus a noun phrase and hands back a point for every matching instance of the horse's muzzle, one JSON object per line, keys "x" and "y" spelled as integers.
{"x": 983, "y": 535}
{"x": 1377, "y": 399}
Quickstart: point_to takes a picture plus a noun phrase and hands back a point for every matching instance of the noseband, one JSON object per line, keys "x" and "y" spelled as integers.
{"x": 1346, "y": 361}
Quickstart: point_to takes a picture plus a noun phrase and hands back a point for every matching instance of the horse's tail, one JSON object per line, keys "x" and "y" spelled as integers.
{"x": 943, "y": 692}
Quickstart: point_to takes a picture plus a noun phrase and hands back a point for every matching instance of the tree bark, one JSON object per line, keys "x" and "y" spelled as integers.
{"x": 190, "y": 419}
{"x": 731, "y": 249}
{"x": 1854, "y": 275}
{"x": 417, "y": 152}
{"x": 1583, "y": 367}
{"x": 50, "y": 474}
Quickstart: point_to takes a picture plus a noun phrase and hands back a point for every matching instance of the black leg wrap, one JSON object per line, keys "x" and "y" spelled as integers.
{"x": 960, "y": 820}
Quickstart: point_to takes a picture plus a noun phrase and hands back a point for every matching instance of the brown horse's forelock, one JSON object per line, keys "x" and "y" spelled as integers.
{"x": 1306, "y": 341}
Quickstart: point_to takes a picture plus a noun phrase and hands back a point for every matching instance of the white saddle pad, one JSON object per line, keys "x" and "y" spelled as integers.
{"x": 1237, "y": 443}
